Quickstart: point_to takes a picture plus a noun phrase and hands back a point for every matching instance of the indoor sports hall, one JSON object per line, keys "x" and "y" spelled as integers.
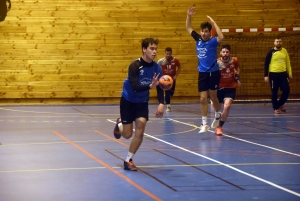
{"x": 69, "y": 153}
{"x": 62, "y": 68}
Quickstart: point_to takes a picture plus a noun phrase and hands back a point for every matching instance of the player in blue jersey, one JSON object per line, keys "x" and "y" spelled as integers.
{"x": 209, "y": 74}
{"x": 143, "y": 75}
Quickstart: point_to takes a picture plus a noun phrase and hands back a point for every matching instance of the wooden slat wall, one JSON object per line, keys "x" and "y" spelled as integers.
{"x": 59, "y": 51}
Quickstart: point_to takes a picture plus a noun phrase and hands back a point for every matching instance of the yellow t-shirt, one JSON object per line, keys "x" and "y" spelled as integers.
{"x": 280, "y": 62}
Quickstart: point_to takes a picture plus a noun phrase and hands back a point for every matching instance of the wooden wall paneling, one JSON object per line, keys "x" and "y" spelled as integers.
{"x": 80, "y": 50}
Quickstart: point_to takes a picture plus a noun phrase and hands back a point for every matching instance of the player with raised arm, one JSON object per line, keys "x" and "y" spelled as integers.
{"x": 209, "y": 74}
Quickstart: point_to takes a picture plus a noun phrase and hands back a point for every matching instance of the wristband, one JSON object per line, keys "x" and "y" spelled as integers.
{"x": 236, "y": 77}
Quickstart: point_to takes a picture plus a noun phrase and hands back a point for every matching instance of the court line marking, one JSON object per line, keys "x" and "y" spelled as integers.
{"x": 36, "y": 112}
{"x": 50, "y": 143}
{"x": 226, "y": 165}
{"x": 233, "y": 168}
{"x": 144, "y": 166}
{"x": 213, "y": 164}
{"x": 146, "y": 173}
{"x": 113, "y": 139}
{"x": 107, "y": 166}
{"x": 206, "y": 172}
{"x": 259, "y": 133}
{"x": 24, "y": 111}
{"x": 294, "y": 129}
{"x": 287, "y": 152}
{"x": 243, "y": 140}
{"x": 51, "y": 169}
{"x": 244, "y": 116}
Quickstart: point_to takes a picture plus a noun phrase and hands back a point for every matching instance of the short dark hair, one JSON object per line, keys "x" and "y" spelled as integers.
{"x": 226, "y": 46}
{"x": 206, "y": 25}
{"x": 168, "y": 49}
{"x": 147, "y": 41}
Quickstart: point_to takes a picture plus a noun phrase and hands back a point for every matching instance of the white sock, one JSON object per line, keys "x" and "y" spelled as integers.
{"x": 119, "y": 124}
{"x": 204, "y": 120}
{"x": 129, "y": 156}
{"x": 217, "y": 115}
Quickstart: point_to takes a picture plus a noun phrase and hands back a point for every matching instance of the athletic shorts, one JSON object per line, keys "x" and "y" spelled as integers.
{"x": 208, "y": 80}
{"x": 224, "y": 93}
{"x": 130, "y": 111}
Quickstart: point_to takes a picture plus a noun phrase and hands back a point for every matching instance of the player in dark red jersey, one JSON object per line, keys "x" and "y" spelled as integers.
{"x": 170, "y": 66}
{"x": 230, "y": 71}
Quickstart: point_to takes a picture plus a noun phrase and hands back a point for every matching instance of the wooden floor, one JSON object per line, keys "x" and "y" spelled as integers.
{"x": 69, "y": 153}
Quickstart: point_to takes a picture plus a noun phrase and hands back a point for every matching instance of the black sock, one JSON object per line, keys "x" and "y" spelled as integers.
{"x": 221, "y": 123}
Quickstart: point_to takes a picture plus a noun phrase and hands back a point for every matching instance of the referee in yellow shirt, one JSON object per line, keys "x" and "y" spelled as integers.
{"x": 277, "y": 72}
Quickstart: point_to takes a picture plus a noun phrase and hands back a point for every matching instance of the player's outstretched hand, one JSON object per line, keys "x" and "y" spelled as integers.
{"x": 191, "y": 11}
{"x": 155, "y": 81}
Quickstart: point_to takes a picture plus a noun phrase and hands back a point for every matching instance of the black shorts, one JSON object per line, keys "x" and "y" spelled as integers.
{"x": 224, "y": 93}
{"x": 208, "y": 80}
{"x": 130, "y": 111}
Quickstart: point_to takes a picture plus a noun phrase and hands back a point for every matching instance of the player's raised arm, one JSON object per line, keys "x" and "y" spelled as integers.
{"x": 218, "y": 30}
{"x": 188, "y": 23}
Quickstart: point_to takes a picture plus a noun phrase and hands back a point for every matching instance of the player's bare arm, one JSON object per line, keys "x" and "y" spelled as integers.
{"x": 159, "y": 113}
{"x": 177, "y": 72}
{"x": 238, "y": 81}
{"x": 218, "y": 30}
{"x": 188, "y": 23}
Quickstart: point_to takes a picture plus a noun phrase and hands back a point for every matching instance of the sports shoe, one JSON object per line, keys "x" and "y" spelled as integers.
{"x": 117, "y": 133}
{"x": 219, "y": 131}
{"x": 282, "y": 109}
{"x": 168, "y": 108}
{"x": 277, "y": 112}
{"x": 203, "y": 128}
{"x": 216, "y": 121}
{"x": 130, "y": 166}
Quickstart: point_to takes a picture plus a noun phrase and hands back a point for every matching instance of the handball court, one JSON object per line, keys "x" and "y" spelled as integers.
{"x": 68, "y": 152}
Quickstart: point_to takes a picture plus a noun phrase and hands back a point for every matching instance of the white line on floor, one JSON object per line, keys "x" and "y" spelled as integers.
{"x": 233, "y": 168}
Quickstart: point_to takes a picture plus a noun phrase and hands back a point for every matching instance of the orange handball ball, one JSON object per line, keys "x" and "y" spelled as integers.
{"x": 166, "y": 82}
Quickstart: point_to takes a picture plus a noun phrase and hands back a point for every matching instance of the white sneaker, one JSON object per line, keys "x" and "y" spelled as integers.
{"x": 216, "y": 122}
{"x": 204, "y": 128}
{"x": 168, "y": 108}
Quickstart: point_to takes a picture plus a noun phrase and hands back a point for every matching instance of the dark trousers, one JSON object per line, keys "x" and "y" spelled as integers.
{"x": 279, "y": 81}
{"x": 170, "y": 93}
